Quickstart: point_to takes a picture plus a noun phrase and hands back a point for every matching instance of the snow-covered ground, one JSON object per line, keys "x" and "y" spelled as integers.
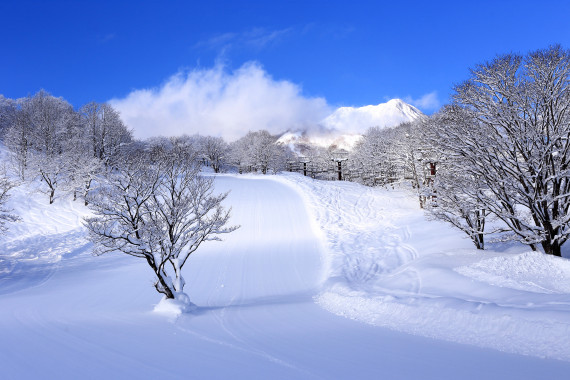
{"x": 265, "y": 296}
{"x": 389, "y": 267}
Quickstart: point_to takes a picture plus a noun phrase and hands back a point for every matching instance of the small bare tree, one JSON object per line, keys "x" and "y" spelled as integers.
{"x": 158, "y": 207}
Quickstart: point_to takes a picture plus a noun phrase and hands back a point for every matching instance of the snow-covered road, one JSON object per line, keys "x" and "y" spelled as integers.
{"x": 65, "y": 314}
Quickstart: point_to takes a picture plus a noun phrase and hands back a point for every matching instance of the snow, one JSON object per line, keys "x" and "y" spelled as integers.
{"x": 528, "y": 272}
{"x": 271, "y": 300}
{"x": 389, "y": 267}
{"x": 173, "y": 308}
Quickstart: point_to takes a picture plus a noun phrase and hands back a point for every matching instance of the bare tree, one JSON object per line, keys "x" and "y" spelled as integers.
{"x": 159, "y": 208}
{"x": 37, "y": 139}
{"x": 380, "y": 156}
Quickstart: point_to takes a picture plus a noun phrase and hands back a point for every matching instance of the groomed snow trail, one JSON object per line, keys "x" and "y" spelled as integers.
{"x": 65, "y": 314}
{"x": 390, "y": 267}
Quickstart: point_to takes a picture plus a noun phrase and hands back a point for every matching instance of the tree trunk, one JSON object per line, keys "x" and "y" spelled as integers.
{"x": 479, "y": 241}
{"x": 161, "y": 285}
{"x": 552, "y": 248}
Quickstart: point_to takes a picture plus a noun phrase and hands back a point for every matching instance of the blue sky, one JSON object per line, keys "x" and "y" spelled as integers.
{"x": 347, "y": 53}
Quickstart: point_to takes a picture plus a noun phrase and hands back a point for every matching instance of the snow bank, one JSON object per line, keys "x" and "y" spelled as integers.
{"x": 388, "y": 266}
{"x": 529, "y": 271}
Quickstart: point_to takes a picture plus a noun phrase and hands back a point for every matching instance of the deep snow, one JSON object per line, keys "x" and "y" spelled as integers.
{"x": 304, "y": 246}
{"x": 390, "y": 267}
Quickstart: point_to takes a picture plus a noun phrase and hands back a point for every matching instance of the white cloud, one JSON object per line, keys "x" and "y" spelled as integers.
{"x": 426, "y": 103}
{"x": 218, "y": 102}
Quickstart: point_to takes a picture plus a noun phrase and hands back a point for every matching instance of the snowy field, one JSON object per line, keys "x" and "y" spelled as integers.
{"x": 324, "y": 280}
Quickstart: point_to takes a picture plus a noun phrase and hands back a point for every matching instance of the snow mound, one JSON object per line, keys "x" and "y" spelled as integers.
{"x": 173, "y": 308}
{"x": 529, "y": 271}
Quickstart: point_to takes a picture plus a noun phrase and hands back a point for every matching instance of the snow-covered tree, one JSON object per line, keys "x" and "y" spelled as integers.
{"x": 377, "y": 157}
{"x": 258, "y": 151}
{"x": 37, "y": 139}
{"x": 517, "y": 142}
{"x": 6, "y": 215}
{"x": 240, "y": 155}
{"x": 7, "y": 114}
{"x": 18, "y": 137}
{"x": 215, "y": 151}
{"x": 83, "y": 173}
{"x": 159, "y": 208}
{"x": 263, "y": 150}
{"x": 457, "y": 190}
{"x": 103, "y": 129}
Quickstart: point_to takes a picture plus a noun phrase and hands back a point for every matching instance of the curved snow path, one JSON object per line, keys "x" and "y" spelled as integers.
{"x": 89, "y": 317}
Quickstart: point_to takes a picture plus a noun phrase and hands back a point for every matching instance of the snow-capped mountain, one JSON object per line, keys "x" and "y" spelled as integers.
{"x": 345, "y": 126}
{"x": 359, "y": 119}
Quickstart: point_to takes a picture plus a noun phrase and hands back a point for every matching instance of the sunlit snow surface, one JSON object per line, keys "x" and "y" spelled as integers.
{"x": 262, "y": 296}
{"x": 389, "y": 267}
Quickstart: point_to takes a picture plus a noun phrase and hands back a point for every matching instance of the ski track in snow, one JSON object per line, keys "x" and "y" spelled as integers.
{"x": 74, "y": 315}
{"x": 389, "y": 267}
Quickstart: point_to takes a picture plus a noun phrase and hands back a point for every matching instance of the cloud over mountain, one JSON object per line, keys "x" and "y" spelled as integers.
{"x": 220, "y": 102}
